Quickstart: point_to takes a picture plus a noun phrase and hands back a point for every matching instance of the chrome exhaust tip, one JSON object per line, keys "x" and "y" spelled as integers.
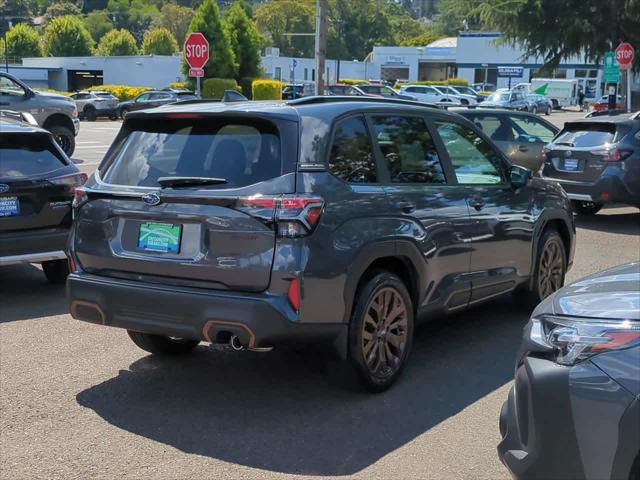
{"x": 236, "y": 344}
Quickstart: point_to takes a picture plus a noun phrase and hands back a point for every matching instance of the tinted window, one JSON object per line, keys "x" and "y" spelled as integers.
{"x": 351, "y": 157}
{"x": 408, "y": 149}
{"x": 474, "y": 160}
{"x": 143, "y": 97}
{"x": 27, "y": 156}
{"x": 586, "y": 135}
{"x": 530, "y": 129}
{"x": 496, "y": 127}
{"x": 242, "y": 154}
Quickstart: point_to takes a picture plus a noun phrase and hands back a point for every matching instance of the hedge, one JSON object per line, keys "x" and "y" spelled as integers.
{"x": 352, "y": 81}
{"x": 451, "y": 81}
{"x": 267, "y": 90}
{"x": 215, "y": 87}
{"x": 123, "y": 92}
{"x": 179, "y": 85}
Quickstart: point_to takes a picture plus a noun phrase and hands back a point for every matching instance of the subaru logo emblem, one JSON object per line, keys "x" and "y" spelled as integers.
{"x": 567, "y": 153}
{"x": 4, "y": 188}
{"x": 151, "y": 198}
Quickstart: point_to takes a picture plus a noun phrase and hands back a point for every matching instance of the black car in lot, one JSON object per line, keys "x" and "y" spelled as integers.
{"x": 597, "y": 161}
{"x": 326, "y": 219}
{"x": 153, "y": 98}
{"x": 574, "y": 411}
{"x": 37, "y": 183}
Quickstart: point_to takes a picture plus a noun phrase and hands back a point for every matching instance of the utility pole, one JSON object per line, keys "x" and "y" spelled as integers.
{"x": 321, "y": 43}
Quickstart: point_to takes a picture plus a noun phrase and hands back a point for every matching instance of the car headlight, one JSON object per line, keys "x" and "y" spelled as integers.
{"x": 569, "y": 340}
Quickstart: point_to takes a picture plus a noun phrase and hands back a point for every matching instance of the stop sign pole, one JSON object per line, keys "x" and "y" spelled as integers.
{"x": 196, "y": 54}
{"x": 624, "y": 57}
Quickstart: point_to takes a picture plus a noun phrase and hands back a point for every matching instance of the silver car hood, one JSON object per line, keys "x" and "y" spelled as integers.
{"x": 613, "y": 294}
{"x": 53, "y": 95}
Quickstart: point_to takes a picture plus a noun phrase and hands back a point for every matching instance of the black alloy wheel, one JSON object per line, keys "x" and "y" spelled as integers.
{"x": 551, "y": 267}
{"x": 381, "y": 331}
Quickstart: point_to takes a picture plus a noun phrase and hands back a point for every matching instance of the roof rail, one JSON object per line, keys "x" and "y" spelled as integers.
{"x": 319, "y": 99}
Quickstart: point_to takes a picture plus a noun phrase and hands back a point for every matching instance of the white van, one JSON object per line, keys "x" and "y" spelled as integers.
{"x": 562, "y": 92}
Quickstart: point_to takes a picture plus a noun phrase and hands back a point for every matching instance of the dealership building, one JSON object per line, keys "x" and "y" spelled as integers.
{"x": 474, "y": 56}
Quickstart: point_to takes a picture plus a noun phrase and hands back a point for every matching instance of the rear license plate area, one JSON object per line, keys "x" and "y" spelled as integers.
{"x": 9, "y": 206}
{"x": 571, "y": 165}
{"x": 160, "y": 237}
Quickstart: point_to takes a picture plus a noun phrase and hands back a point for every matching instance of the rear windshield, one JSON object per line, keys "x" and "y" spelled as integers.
{"x": 242, "y": 153}
{"x": 186, "y": 96}
{"x": 590, "y": 134}
{"x": 26, "y": 156}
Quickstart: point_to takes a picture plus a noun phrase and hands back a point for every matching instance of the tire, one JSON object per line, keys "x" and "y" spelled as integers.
{"x": 123, "y": 112}
{"x": 371, "y": 343}
{"x": 550, "y": 268}
{"x": 90, "y": 114}
{"x": 65, "y": 138}
{"x": 548, "y": 110}
{"x": 534, "y": 110}
{"x": 113, "y": 118}
{"x": 56, "y": 271}
{"x": 161, "y": 345}
{"x": 586, "y": 208}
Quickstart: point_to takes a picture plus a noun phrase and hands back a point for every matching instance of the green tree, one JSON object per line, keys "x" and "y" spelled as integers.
{"x": 117, "y": 43}
{"x": 176, "y": 19}
{"x": 67, "y": 37}
{"x": 221, "y": 62}
{"x": 245, "y": 40}
{"x": 276, "y": 18}
{"x": 421, "y": 40}
{"x": 60, "y": 9}
{"x": 98, "y": 23}
{"x": 16, "y": 8}
{"x": 23, "y": 41}
{"x": 136, "y": 16}
{"x": 159, "y": 41}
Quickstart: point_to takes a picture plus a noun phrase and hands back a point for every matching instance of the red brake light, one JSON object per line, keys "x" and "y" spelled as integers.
{"x": 79, "y": 197}
{"x": 613, "y": 155}
{"x": 294, "y": 294}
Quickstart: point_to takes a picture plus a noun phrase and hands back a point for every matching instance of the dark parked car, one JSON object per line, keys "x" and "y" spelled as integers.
{"x": 153, "y": 98}
{"x": 540, "y": 103}
{"x": 521, "y": 136}
{"x": 597, "y": 161}
{"x": 292, "y": 91}
{"x": 37, "y": 182}
{"x": 332, "y": 219}
{"x": 574, "y": 411}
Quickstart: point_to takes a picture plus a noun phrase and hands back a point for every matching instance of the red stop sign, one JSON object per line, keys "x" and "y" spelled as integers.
{"x": 196, "y": 50}
{"x": 624, "y": 55}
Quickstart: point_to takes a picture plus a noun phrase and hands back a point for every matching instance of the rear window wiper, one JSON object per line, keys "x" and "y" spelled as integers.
{"x": 180, "y": 182}
{"x": 568, "y": 144}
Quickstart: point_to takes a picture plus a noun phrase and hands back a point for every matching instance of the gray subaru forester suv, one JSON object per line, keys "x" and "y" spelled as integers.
{"x": 326, "y": 219}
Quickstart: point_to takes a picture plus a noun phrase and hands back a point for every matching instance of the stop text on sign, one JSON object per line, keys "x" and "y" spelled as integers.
{"x": 197, "y": 50}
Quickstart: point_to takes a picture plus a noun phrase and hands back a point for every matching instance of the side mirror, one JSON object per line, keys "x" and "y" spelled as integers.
{"x": 28, "y": 93}
{"x": 520, "y": 176}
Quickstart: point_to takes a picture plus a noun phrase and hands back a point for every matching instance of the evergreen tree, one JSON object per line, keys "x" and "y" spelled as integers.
{"x": 23, "y": 41}
{"x": 98, "y": 23}
{"x": 245, "y": 40}
{"x": 221, "y": 62}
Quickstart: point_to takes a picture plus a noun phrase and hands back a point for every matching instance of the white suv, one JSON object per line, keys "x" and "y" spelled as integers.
{"x": 428, "y": 94}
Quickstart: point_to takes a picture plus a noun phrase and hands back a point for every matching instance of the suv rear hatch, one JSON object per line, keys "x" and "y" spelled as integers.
{"x": 186, "y": 199}
{"x": 36, "y": 183}
{"x": 580, "y": 152}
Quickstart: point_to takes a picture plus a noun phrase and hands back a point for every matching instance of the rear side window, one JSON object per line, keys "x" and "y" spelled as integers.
{"x": 474, "y": 160}
{"x": 238, "y": 152}
{"x": 587, "y": 135}
{"x": 409, "y": 151}
{"x": 23, "y": 156}
{"x": 351, "y": 157}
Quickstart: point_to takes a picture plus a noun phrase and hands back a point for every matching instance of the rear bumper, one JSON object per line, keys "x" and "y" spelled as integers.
{"x": 259, "y": 320}
{"x": 33, "y": 246}
{"x": 609, "y": 188}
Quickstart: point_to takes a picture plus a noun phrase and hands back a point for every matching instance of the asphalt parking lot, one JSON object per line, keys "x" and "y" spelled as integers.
{"x": 79, "y": 400}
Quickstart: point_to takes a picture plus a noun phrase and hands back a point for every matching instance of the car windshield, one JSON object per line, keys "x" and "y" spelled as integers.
{"x": 586, "y": 135}
{"x": 500, "y": 97}
{"x": 28, "y": 156}
{"x": 241, "y": 153}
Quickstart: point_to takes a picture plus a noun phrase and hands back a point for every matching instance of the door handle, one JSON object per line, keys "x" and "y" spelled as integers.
{"x": 405, "y": 206}
{"x": 523, "y": 148}
{"x": 477, "y": 203}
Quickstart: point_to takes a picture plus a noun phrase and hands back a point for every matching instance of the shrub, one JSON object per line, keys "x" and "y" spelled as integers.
{"x": 159, "y": 41}
{"x": 266, "y": 90}
{"x": 117, "y": 43}
{"x": 215, "y": 87}
{"x": 67, "y": 37}
{"x": 352, "y": 81}
{"x": 179, "y": 85}
{"x": 23, "y": 41}
{"x": 123, "y": 92}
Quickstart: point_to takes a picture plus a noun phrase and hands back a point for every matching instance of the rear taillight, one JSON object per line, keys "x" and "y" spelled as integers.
{"x": 72, "y": 181}
{"x": 79, "y": 197}
{"x": 612, "y": 155}
{"x": 293, "y": 215}
{"x": 293, "y": 294}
